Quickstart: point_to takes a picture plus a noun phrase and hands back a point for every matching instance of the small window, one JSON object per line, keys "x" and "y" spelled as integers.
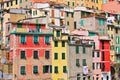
{"x": 84, "y": 62}
{"x": 98, "y": 54}
{"x": 23, "y": 39}
{"x": 35, "y": 39}
{"x": 35, "y": 69}
{"x": 64, "y": 69}
{"x": 55, "y": 55}
{"x": 93, "y": 66}
{"x": 30, "y": 3}
{"x": 73, "y": 3}
{"x": 22, "y": 70}
{"x": 68, "y": 23}
{"x": 93, "y": 54}
{"x": 56, "y": 69}
{"x": 63, "y": 43}
{"x": 72, "y": 15}
{"x": 67, "y": 14}
{"x": 84, "y": 50}
{"x": 47, "y": 40}
{"x": 63, "y": 55}
{"x": 58, "y": 34}
{"x": 35, "y": 55}
{"x": 56, "y": 44}
{"x": 47, "y": 54}
{"x": 77, "y": 63}
{"x": 46, "y": 69}
{"x": 68, "y": 3}
{"x": 77, "y": 49}
{"x": 23, "y": 55}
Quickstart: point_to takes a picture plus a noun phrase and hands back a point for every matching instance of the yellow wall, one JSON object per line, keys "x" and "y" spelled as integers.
{"x": 59, "y": 62}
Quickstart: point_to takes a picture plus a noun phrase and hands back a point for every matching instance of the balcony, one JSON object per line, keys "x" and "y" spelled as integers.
{"x": 31, "y": 31}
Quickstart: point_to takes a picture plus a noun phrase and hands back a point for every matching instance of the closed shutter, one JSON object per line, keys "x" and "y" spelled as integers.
{"x": 84, "y": 50}
{"x": 63, "y": 55}
{"x": 19, "y": 25}
{"x": 35, "y": 54}
{"x": 23, "y": 70}
{"x": 63, "y": 43}
{"x": 37, "y": 27}
{"x": 58, "y": 34}
{"x": 35, "y": 39}
{"x": 47, "y": 54}
{"x": 47, "y": 40}
{"x": 55, "y": 69}
{"x": 77, "y": 62}
{"x": 56, "y": 43}
{"x": 23, "y": 55}
{"x": 77, "y": 49}
{"x": 56, "y": 56}
{"x": 23, "y": 39}
{"x": 84, "y": 62}
{"x": 35, "y": 69}
{"x": 64, "y": 69}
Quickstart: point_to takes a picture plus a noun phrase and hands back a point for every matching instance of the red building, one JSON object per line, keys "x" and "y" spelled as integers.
{"x": 105, "y": 58}
{"x": 30, "y": 50}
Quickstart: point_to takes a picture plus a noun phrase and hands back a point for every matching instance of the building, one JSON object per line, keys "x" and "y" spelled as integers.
{"x": 60, "y": 55}
{"x": 30, "y": 50}
{"x": 80, "y": 56}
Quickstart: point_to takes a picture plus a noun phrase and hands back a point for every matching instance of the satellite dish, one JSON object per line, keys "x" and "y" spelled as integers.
{"x": 3, "y": 60}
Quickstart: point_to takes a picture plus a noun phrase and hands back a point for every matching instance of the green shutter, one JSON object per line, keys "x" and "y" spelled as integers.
{"x": 56, "y": 43}
{"x": 63, "y": 55}
{"x": 93, "y": 54}
{"x": 55, "y": 69}
{"x": 63, "y": 43}
{"x": 26, "y": 0}
{"x": 37, "y": 27}
{"x": 47, "y": 54}
{"x": 84, "y": 50}
{"x": 58, "y": 34}
{"x": 22, "y": 71}
{"x": 47, "y": 40}
{"x": 82, "y": 22}
{"x": 77, "y": 49}
{"x": 72, "y": 15}
{"x": 77, "y": 62}
{"x": 35, "y": 39}
{"x": 99, "y": 22}
{"x": 30, "y": 3}
{"x": 35, "y": 69}
{"x": 20, "y": 1}
{"x": 35, "y": 54}
{"x": 84, "y": 62}
{"x": 117, "y": 39}
{"x": 23, "y": 55}
{"x": 45, "y": 69}
{"x": 68, "y": 3}
{"x": 23, "y": 39}
{"x": 55, "y": 55}
{"x": 64, "y": 69}
{"x": 98, "y": 54}
{"x": 19, "y": 25}
{"x": 73, "y": 3}
{"x": 67, "y": 14}
{"x": 74, "y": 24}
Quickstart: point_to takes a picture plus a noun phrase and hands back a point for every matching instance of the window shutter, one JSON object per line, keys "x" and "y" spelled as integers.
{"x": 22, "y": 54}
{"x": 47, "y": 40}
{"x": 77, "y": 62}
{"x": 35, "y": 54}
{"x": 35, "y": 69}
{"x": 63, "y": 55}
{"x": 64, "y": 69}
{"x": 23, "y": 70}
{"x": 37, "y": 26}
{"x": 98, "y": 54}
{"x": 84, "y": 62}
{"x": 77, "y": 49}
{"x": 35, "y": 39}
{"x": 63, "y": 43}
{"x": 58, "y": 34}
{"x": 47, "y": 54}
{"x": 23, "y": 39}
{"x": 56, "y": 69}
{"x": 56, "y": 56}
{"x": 84, "y": 50}
{"x": 56, "y": 44}
{"x": 19, "y": 25}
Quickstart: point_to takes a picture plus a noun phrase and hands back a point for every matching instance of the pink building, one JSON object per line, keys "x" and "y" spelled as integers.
{"x": 30, "y": 51}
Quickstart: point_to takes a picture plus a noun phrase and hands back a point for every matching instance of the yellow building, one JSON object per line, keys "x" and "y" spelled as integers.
{"x": 59, "y": 56}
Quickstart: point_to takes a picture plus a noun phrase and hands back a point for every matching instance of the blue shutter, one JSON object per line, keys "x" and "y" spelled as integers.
{"x": 35, "y": 39}
{"x": 23, "y": 39}
{"x": 82, "y": 22}
{"x": 47, "y": 40}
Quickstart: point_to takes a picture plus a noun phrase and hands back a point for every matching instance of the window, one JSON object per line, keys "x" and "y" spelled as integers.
{"x": 96, "y": 1}
{"x": 16, "y": 1}
{"x": 63, "y": 55}
{"x": 78, "y": 76}
{"x": 93, "y": 54}
{"x": 35, "y": 39}
{"x": 7, "y": 4}
{"x": 19, "y": 25}
{"x": 77, "y": 49}
{"x": 23, "y": 41}
{"x": 63, "y": 43}
{"x": 68, "y": 23}
{"x": 73, "y": 3}
{"x": 72, "y": 15}
{"x": 30, "y": 3}
{"x": 84, "y": 78}
{"x": 64, "y": 69}
{"x": 98, "y": 54}
{"x": 68, "y": 3}
{"x": 47, "y": 54}
{"x": 22, "y": 70}
{"x": 116, "y": 30}
{"x": 77, "y": 63}
{"x": 47, "y": 40}
{"x": 58, "y": 34}
{"x": 82, "y": 22}
{"x": 67, "y": 14}
{"x": 84, "y": 62}
{"x": 35, "y": 69}
{"x": 93, "y": 66}
{"x": 56, "y": 44}
{"x": 74, "y": 24}
{"x": 37, "y": 26}
{"x": 23, "y": 55}
{"x": 20, "y": 1}
{"x": 45, "y": 69}
{"x": 35, "y": 56}
{"x": 84, "y": 50}
{"x": 56, "y": 69}
{"x": 55, "y": 55}
{"x": 11, "y": 3}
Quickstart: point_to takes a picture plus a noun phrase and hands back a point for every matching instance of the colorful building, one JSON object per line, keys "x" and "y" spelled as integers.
{"x": 60, "y": 55}
{"x": 30, "y": 51}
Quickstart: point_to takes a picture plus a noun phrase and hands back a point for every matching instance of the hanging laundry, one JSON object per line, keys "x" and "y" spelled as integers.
{"x": 85, "y": 70}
